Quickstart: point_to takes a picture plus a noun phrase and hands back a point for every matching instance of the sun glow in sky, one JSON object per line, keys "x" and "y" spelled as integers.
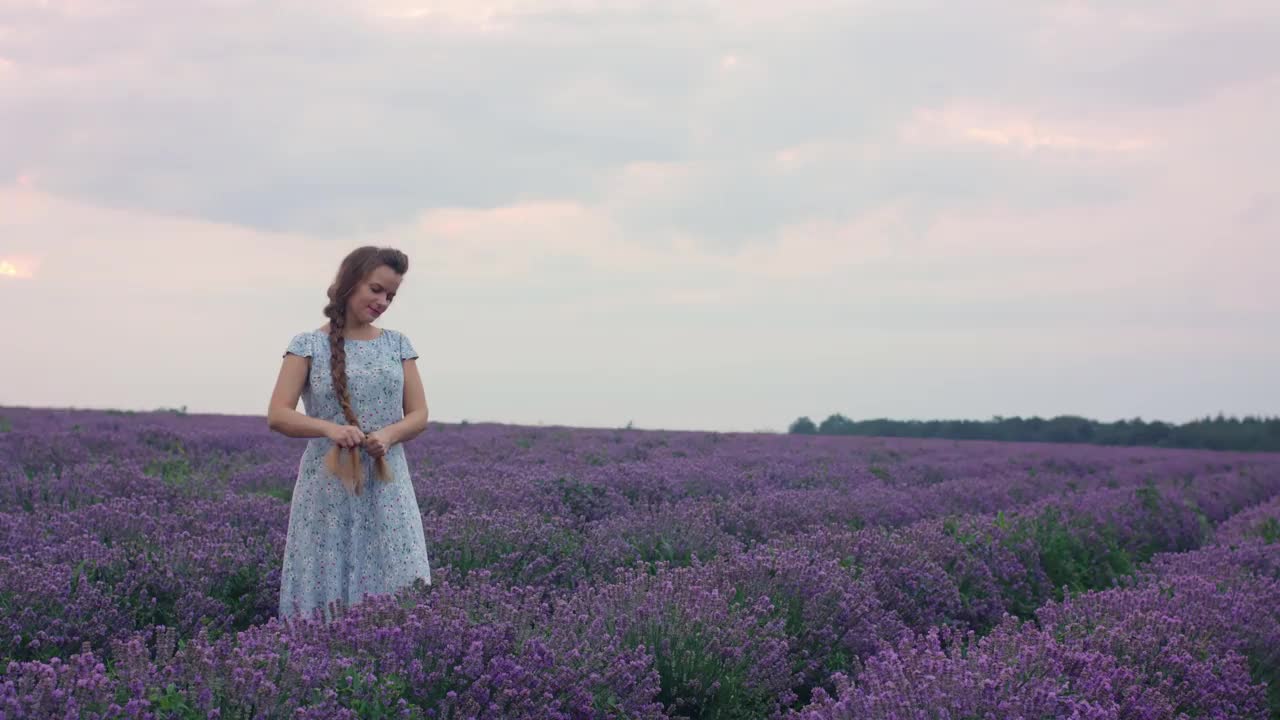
{"x": 15, "y": 267}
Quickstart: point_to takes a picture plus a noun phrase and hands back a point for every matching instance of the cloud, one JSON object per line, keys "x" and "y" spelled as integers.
{"x": 1007, "y": 128}
{"x": 284, "y": 120}
{"x": 517, "y": 240}
{"x": 1154, "y": 54}
{"x": 85, "y": 249}
{"x": 343, "y": 119}
{"x": 655, "y": 183}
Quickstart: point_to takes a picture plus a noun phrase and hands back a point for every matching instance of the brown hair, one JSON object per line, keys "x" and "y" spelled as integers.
{"x": 355, "y": 267}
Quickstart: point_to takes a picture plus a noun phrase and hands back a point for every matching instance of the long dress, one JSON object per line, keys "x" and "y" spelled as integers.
{"x": 341, "y": 547}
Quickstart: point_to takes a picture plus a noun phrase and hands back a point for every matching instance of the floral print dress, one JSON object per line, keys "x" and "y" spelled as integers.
{"x": 341, "y": 547}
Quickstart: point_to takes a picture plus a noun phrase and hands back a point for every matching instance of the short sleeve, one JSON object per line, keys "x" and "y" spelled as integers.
{"x": 300, "y": 345}
{"x": 406, "y": 348}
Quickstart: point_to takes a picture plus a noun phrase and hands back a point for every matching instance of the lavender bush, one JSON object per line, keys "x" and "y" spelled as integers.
{"x": 643, "y": 574}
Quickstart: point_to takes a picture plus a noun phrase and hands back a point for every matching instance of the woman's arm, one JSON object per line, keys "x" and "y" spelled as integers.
{"x": 282, "y": 414}
{"x": 415, "y": 407}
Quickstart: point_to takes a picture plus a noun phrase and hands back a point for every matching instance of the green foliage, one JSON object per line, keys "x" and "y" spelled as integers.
{"x": 5, "y": 425}
{"x": 375, "y": 698}
{"x": 464, "y": 557}
{"x": 172, "y": 703}
{"x": 174, "y": 471}
{"x": 283, "y": 493}
{"x": 834, "y": 425}
{"x": 1072, "y": 553}
{"x": 237, "y": 591}
{"x": 1250, "y": 433}
{"x": 687, "y": 671}
{"x": 154, "y": 605}
{"x": 803, "y": 426}
{"x": 1149, "y": 496}
{"x": 162, "y": 440}
{"x": 1268, "y": 530}
{"x": 1077, "y": 555}
{"x": 584, "y": 501}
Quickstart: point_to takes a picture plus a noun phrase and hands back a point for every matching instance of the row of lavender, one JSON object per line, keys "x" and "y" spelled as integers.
{"x": 733, "y": 638}
{"x": 586, "y": 474}
{"x": 1194, "y": 634}
{"x": 759, "y": 588}
{"x": 118, "y": 523}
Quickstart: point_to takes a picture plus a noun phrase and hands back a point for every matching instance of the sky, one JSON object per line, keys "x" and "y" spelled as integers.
{"x": 704, "y": 214}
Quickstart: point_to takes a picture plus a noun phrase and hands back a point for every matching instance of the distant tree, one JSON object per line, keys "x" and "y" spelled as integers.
{"x": 836, "y": 424}
{"x": 1212, "y": 432}
{"x": 803, "y": 426}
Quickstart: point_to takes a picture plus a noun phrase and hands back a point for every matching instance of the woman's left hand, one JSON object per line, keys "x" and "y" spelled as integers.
{"x": 377, "y": 443}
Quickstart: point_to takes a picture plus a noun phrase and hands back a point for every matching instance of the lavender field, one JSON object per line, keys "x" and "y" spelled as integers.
{"x": 644, "y": 575}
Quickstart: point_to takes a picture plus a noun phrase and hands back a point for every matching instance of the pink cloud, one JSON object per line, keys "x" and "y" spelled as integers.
{"x": 974, "y": 122}
{"x": 517, "y": 239}
{"x": 88, "y": 248}
{"x": 648, "y": 183}
{"x": 803, "y": 156}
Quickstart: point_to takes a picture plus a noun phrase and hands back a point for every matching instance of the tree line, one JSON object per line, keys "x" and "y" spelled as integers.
{"x": 1249, "y": 433}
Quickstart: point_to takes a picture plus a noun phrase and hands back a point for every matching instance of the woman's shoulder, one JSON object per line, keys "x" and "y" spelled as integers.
{"x": 401, "y": 343}
{"x": 302, "y": 344}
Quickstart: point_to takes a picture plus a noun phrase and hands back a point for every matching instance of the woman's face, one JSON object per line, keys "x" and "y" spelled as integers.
{"x": 373, "y": 295}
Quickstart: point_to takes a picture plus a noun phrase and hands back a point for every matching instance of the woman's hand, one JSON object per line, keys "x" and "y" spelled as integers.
{"x": 346, "y": 436}
{"x": 377, "y": 443}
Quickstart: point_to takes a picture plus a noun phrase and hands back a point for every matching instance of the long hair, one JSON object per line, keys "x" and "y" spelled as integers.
{"x": 355, "y": 267}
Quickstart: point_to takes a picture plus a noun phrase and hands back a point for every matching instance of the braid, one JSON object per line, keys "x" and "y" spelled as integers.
{"x": 346, "y": 468}
{"x": 338, "y": 364}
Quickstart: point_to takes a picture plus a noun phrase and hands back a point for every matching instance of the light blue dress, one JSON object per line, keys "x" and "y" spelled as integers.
{"x": 341, "y": 547}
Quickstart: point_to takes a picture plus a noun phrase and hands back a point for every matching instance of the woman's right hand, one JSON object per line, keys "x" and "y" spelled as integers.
{"x": 345, "y": 436}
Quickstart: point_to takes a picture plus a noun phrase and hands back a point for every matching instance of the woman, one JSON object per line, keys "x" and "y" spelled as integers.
{"x": 354, "y": 523}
